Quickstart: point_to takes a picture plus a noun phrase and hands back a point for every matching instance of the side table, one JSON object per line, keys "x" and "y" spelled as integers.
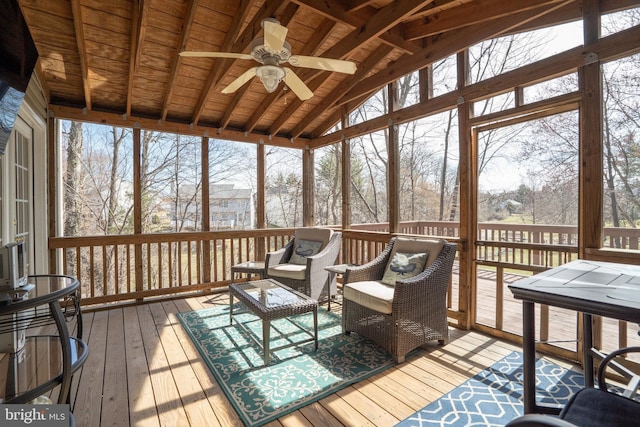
{"x": 251, "y": 268}
{"x": 338, "y": 269}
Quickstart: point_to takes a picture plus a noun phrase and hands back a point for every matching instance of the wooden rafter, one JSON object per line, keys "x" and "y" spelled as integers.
{"x": 470, "y": 14}
{"x": 443, "y": 46}
{"x": 134, "y": 44}
{"x": 173, "y": 74}
{"x": 608, "y": 48}
{"x": 76, "y": 9}
{"x": 333, "y": 9}
{"x": 216, "y": 68}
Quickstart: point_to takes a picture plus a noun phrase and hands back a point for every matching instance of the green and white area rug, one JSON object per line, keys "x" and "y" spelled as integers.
{"x": 295, "y": 376}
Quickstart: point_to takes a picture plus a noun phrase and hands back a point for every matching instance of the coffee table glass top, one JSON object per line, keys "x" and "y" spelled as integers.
{"x": 270, "y": 294}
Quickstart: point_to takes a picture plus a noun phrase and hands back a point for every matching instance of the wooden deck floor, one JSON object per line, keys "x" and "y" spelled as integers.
{"x": 143, "y": 370}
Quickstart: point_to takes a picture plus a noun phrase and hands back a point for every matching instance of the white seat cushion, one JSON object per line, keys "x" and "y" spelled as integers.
{"x": 371, "y": 294}
{"x": 289, "y": 271}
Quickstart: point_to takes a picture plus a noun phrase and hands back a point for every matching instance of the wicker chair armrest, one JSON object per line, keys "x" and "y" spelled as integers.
{"x": 327, "y": 256}
{"x": 280, "y": 256}
{"x": 373, "y": 270}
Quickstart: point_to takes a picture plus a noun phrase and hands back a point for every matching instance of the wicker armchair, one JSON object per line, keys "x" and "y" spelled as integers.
{"x": 308, "y": 277}
{"x": 409, "y": 314}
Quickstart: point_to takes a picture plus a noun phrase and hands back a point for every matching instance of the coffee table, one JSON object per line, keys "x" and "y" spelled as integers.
{"x": 271, "y": 300}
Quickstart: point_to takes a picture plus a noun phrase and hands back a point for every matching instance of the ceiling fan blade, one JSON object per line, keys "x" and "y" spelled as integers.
{"x": 326, "y": 64}
{"x": 240, "y": 81}
{"x": 274, "y": 34}
{"x": 296, "y": 85}
{"x": 216, "y": 55}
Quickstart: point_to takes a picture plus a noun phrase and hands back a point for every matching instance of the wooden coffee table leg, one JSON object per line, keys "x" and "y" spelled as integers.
{"x": 266, "y": 331}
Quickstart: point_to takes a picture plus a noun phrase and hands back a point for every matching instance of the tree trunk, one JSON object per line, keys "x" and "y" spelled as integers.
{"x": 73, "y": 179}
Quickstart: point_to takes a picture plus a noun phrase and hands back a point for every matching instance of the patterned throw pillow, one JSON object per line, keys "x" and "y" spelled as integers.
{"x": 403, "y": 266}
{"x": 302, "y": 249}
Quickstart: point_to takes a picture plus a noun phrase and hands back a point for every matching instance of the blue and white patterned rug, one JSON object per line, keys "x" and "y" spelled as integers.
{"x": 493, "y": 397}
{"x": 295, "y": 376}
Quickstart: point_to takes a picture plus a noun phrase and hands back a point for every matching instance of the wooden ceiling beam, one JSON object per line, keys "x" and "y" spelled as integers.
{"x": 470, "y": 14}
{"x": 335, "y": 10}
{"x": 438, "y": 7}
{"x": 115, "y": 119}
{"x": 142, "y": 30}
{"x": 621, "y": 44}
{"x": 445, "y": 45}
{"x": 354, "y": 5}
{"x": 177, "y": 60}
{"x": 76, "y": 10}
{"x": 572, "y": 12}
{"x": 216, "y": 69}
{"x": 134, "y": 47}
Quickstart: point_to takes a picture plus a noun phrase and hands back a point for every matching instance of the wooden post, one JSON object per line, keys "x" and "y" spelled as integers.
{"x": 137, "y": 209}
{"x": 468, "y": 194}
{"x": 206, "y": 217}
{"x": 52, "y": 199}
{"x": 425, "y": 79}
{"x": 308, "y": 179}
{"x": 346, "y": 188}
{"x": 393, "y": 163}
{"x": 260, "y": 200}
{"x": 591, "y": 147}
{"x": 590, "y": 204}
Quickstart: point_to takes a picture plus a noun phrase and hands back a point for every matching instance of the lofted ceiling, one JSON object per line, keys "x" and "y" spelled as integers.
{"x": 120, "y": 58}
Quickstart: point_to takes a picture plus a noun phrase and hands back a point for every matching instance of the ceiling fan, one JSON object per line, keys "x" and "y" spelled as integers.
{"x": 271, "y": 51}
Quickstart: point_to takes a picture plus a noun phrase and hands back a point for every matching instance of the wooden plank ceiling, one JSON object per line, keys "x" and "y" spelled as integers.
{"x": 120, "y": 58}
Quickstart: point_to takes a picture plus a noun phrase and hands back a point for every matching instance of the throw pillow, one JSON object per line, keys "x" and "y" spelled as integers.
{"x": 302, "y": 249}
{"x": 403, "y": 266}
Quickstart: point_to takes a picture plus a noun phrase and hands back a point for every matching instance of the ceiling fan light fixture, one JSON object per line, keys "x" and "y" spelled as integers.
{"x": 271, "y": 76}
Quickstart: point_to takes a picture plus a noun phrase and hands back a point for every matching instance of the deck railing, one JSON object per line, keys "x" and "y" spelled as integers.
{"x": 113, "y": 268}
{"x": 124, "y": 267}
{"x": 135, "y": 267}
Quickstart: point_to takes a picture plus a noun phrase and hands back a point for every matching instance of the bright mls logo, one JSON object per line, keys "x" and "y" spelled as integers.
{"x": 34, "y": 415}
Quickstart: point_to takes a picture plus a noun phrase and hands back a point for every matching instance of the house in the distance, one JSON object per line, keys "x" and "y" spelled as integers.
{"x": 231, "y": 207}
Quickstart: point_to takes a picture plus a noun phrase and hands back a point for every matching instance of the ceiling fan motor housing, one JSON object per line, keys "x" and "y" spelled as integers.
{"x": 267, "y": 56}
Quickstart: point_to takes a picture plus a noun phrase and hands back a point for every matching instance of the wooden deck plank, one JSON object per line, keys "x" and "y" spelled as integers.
{"x": 142, "y": 403}
{"x": 344, "y": 412}
{"x": 319, "y": 416}
{"x": 224, "y": 411}
{"x": 193, "y": 399}
{"x": 88, "y": 407}
{"x": 375, "y": 413}
{"x": 384, "y": 398}
{"x": 170, "y": 409}
{"x": 115, "y": 402}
